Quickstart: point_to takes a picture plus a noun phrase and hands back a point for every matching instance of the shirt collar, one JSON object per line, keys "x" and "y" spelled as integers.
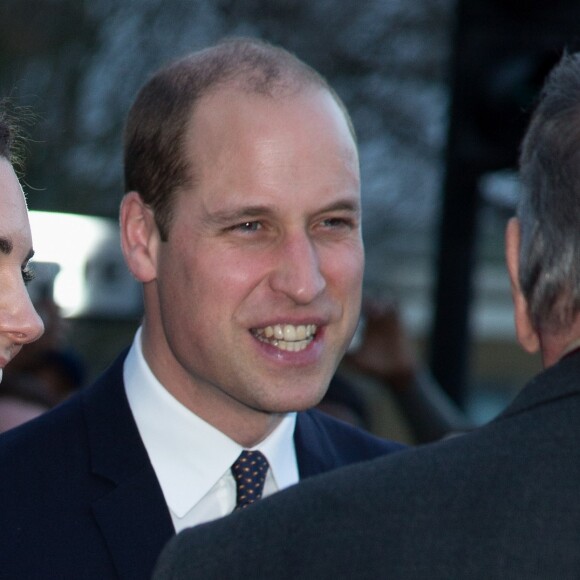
{"x": 188, "y": 454}
{"x": 573, "y": 347}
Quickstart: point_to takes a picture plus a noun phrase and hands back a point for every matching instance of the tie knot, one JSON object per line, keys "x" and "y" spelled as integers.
{"x": 249, "y": 471}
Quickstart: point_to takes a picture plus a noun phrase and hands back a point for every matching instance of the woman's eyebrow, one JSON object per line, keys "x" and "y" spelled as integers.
{"x": 6, "y": 245}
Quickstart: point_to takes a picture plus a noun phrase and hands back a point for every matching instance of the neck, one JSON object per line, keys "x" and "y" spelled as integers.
{"x": 242, "y": 423}
{"x": 248, "y": 435}
{"x": 555, "y": 345}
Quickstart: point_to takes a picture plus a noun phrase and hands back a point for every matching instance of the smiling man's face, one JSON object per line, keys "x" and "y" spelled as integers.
{"x": 257, "y": 291}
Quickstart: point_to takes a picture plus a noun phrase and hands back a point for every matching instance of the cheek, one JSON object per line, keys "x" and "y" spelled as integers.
{"x": 344, "y": 272}
{"x": 217, "y": 286}
{"x": 234, "y": 275}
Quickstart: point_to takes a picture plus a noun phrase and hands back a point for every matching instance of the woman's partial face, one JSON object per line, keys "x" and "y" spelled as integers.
{"x": 19, "y": 322}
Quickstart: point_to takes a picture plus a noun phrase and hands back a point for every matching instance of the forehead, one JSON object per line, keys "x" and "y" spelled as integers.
{"x": 235, "y": 131}
{"x": 13, "y": 213}
{"x": 231, "y": 108}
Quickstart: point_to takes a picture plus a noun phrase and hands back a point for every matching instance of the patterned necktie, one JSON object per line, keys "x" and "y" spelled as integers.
{"x": 249, "y": 471}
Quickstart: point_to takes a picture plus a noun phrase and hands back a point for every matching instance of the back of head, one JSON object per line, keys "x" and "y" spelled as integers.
{"x": 549, "y": 207}
{"x": 155, "y": 165}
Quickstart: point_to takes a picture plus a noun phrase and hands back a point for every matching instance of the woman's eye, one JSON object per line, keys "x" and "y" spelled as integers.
{"x": 27, "y": 274}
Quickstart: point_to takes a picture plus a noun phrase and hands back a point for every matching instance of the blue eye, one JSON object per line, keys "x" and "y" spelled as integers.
{"x": 249, "y": 226}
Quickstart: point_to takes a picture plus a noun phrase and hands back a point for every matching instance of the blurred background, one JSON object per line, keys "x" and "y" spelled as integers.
{"x": 439, "y": 91}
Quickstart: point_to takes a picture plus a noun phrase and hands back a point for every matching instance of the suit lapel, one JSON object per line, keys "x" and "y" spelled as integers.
{"x": 314, "y": 451}
{"x": 135, "y": 525}
{"x": 133, "y": 516}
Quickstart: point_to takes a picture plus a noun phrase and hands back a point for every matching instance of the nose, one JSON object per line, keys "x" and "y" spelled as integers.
{"x": 18, "y": 317}
{"x": 298, "y": 272}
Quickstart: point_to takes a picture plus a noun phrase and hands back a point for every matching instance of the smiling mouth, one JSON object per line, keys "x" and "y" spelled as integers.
{"x": 287, "y": 336}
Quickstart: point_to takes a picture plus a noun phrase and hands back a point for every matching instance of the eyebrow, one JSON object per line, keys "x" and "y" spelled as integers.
{"x": 6, "y": 247}
{"x": 259, "y": 210}
{"x": 225, "y": 217}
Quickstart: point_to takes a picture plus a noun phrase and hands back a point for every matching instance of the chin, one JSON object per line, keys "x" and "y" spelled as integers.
{"x": 297, "y": 403}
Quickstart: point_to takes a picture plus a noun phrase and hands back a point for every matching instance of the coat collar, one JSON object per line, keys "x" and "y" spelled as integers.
{"x": 314, "y": 450}
{"x": 558, "y": 381}
{"x": 133, "y": 516}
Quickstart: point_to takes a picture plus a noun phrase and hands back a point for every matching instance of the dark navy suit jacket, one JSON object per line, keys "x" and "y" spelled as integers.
{"x": 79, "y": 498}
{"x": 499, "y": 503}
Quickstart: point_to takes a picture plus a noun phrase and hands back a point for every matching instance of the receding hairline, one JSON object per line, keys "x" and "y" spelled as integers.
{"x": 253, "y": 63}
{"x": 255, "y": 67}
{"x": 307, "y": 96}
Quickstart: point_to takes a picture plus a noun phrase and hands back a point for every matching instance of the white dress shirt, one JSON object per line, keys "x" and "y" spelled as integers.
{"x": 192, "y": 459}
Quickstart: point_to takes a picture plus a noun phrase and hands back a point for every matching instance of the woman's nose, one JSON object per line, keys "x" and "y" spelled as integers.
{"x": 19, "y": 319}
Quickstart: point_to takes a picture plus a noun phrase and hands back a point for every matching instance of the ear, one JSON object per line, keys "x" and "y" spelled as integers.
{"x": 525, "y": 331}
{"x": 139, "y": 237}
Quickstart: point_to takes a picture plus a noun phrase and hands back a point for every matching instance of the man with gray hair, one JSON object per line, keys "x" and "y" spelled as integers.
{"x": 501, "y": 502}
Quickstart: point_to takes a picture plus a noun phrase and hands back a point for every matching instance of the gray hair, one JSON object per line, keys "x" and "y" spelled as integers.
{"x": 549, "y": 206}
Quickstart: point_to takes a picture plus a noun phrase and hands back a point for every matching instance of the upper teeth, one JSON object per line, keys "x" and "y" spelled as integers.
{"x": 281, "y": 335}
{"x": 288, "y": 332}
